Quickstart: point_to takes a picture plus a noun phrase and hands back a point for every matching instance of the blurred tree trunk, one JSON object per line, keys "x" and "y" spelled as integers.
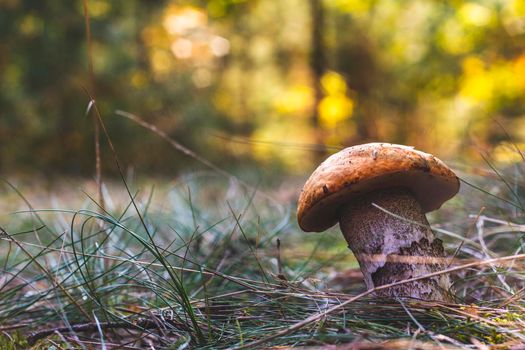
{"x": 354, "y": 58}
{"x": 317, "y": 63}
{"x": 142, "y": 14}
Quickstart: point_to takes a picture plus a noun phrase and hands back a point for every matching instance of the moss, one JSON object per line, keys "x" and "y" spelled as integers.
{"x": 13, "y": 341}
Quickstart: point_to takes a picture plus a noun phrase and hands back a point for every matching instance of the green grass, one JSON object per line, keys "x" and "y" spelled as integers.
{"x": 199, "y": 268}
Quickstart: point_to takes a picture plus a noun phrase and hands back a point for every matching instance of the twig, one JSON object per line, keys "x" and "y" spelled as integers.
{"x": 312, "y": 147}
{"x": 92, "y": 327}
{"x": 12, "y": 327}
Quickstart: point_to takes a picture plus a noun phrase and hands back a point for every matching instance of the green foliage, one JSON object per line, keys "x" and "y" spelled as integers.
{"x": 417, "y": 72}
{"x": 13, "y": 341}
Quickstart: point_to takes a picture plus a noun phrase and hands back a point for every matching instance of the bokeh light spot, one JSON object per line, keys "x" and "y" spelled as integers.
{"x": 201, "y": 78}
{"x": 334, "y": 109}
{"x": 182, "y": 48}
{"x": 31, "y": 25}
{"x": 333, "y": 83}
{"x": 219, "y": 46}
{"x": 296, "y": 100}
{"x": 181, "y": 20}
{"x": 475, "y": 14}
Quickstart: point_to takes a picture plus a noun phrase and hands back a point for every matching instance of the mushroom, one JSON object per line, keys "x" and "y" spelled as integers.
{"x": 379, "y": 193}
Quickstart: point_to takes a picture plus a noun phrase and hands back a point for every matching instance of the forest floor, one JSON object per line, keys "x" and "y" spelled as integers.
{"x": 208, "y": 262}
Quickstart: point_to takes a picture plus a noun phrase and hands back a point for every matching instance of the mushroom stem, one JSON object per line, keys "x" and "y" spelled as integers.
{"x": 392, "y": 248}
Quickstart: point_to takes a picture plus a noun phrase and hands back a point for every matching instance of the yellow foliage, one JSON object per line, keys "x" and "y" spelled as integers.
{"x": 216, "y": 8}
{"x": 454, "y": 39}
{"x": 517, "y": 7}
{"x": 506, "y": 152}
{"x": 12, "y": 76}
{"x": 519, "y": 69}
{"x": 472, "y": 65}
{"x": 475, "y": 14}
{"x": 99, "y": 8}
{"x": 333, "y": 83}
{"x": 513, "y": 17}
{"x": 224, "y": 102}
{"x": 486, "y": 84}
{"x": 296, "y": 100}
{"x": 506, "y": 84}
{"x": 476, "y": 83}
{"x": 334, "y": 109}
{"x": 31, "y": 25}
{"x": 350, "y": 6}
{"x": 154, "y": 36}
{"x": 161, "y": 61}
{"x": 139, "y": 79}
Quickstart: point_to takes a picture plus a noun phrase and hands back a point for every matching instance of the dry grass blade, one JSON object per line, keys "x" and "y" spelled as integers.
{"x": 181, "y": 148}
{"x": 188, "y": 152}
{"x": 319, "y": 316}
{"x": 96, "y": 127}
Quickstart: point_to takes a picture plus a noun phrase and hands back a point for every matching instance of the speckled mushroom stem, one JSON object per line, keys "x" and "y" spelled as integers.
{"x": 392, "y": 248}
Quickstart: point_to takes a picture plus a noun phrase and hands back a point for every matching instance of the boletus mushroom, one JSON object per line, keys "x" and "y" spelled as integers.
{"x": 379, "y": 193}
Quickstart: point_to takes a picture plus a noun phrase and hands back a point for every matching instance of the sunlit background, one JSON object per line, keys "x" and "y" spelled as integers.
{"x": 267, "y": 84}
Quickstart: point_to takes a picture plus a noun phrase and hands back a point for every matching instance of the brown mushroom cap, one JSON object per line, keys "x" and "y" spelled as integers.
{"x": 360, "y": 169}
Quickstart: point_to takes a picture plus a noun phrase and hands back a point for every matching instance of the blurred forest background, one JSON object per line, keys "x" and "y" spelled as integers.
{"x": 275, "y": 84}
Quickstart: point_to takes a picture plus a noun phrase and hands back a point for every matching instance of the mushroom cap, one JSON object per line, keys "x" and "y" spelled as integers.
{"x": 361, "y": 169}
